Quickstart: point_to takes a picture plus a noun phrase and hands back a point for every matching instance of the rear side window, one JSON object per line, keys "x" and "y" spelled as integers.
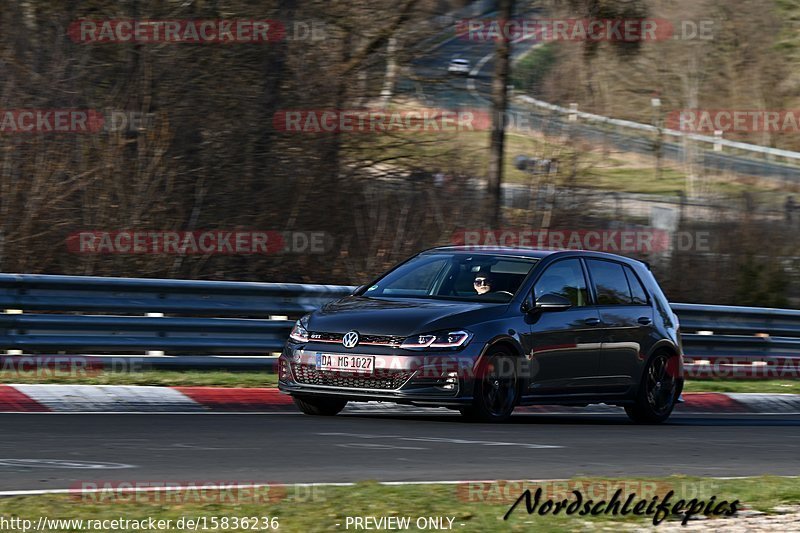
{"x": 637, "y": 291}
{"x": 610, "y": 283}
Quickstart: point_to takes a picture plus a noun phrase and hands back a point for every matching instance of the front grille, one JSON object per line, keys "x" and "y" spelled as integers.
{"x": 372, "y": 340}
{"x": 387, "y": 340}
{"x": 381, "y": 379}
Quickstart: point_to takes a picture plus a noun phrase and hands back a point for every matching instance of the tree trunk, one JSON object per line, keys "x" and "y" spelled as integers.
{"x": 502, "y": 77}
{"x": 390, "y": 78}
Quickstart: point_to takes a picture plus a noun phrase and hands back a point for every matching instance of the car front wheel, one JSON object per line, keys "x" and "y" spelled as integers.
{"x": 313, "y": 405}
{"x": 658, "y": 391}
{"x": 496, "y": 389}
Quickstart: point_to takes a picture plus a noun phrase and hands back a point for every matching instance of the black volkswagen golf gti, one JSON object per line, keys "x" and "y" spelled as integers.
{"x": 483, "y": 330}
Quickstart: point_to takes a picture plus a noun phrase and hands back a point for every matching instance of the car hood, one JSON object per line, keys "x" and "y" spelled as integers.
{"x": 400, "y": 316}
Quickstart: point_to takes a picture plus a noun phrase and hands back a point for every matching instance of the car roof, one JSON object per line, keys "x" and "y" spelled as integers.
{"x": 497, "y": 250}
{"x": 534, "y": 253}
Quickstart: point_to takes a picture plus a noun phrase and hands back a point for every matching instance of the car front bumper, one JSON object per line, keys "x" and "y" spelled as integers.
{"x": 399, "y": 376}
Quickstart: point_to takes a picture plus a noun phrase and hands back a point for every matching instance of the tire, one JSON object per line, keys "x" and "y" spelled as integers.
{"x": 319, "y": 406}
{"x": 496, "y": 389}
{"x": 658, "y": 391}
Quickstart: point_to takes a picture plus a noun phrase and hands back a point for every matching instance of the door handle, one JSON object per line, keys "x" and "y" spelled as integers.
{"x": 645, "y": 321}
{"x": 592, "y": 321}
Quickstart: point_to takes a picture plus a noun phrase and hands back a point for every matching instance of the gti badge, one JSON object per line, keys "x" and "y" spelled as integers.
{"x": 350, "y": 339}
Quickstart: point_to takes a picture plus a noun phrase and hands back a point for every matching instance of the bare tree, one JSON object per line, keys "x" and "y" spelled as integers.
{"x": 500, "y": 82}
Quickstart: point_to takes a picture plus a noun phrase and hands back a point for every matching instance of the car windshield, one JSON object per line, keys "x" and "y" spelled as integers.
{"x": 472, "y": 277}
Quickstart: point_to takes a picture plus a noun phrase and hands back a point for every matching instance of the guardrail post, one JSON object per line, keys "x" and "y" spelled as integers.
{"x": 717, "y": 140}
{"x": 13, "y": 312}
{"x": 155, "y": 353}
{"x": 277, "y": 317}
{"x": 573, "y": 112}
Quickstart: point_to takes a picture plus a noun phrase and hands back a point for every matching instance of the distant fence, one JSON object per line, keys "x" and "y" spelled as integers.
{"x": 240, "y": 325}
{"x": 717, "y": 142}
{"x": 721, "y": 154}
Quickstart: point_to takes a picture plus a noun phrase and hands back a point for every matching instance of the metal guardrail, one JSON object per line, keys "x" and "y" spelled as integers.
{"x": 627, "y": 124}
{"x": 238, "y": 325}
{"x": 224, "y": 317}
{"x": 740, "y": 342}
{"x": 739, "y": 320}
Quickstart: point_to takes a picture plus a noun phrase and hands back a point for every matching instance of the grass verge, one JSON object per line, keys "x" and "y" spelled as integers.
{"x": 463, "y": 152}
{"x": 165, "y": 378}
{"x": 763, "y": 386}
{"x": 472, "y": 507}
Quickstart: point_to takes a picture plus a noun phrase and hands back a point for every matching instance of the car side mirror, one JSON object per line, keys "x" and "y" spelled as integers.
{"x": 528, "y": 305}
{"x": 357, "y": 290}
{"x": 552, "y": 302}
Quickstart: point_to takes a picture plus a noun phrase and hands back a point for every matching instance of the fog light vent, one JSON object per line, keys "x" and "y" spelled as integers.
{"x": 283, "y": 369}
{"x": 451, "y": 382}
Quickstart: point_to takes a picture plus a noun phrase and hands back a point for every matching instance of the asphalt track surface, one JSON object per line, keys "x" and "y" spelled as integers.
{"x": 289, "y": 448}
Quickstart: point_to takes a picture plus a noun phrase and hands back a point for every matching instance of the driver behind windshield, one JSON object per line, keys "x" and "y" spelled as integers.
{"x": 483, "y": 284}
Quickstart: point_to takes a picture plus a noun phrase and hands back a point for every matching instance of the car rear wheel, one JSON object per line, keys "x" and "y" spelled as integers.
{"x": 658, "y": 391}
{"x": 317, "y": 406}
{"x": 496, "y": 390}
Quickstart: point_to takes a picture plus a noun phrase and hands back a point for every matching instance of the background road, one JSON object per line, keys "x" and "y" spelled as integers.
{"x": 434, "y": 84}
{"x": 297, "y": 448}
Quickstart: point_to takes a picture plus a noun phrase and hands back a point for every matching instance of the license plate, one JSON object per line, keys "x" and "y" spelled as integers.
{"x": 361, "y": 364}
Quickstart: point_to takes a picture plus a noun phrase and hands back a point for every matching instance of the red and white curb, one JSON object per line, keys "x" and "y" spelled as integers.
{"x": 145, "y": 399}
{"x": 139, "y": 399}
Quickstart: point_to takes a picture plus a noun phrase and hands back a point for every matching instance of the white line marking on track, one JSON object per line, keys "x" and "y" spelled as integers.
{"x": 375, "y": 446}
{"x": 442, "y": 440}
{"x": 61, "y": 463}
{"x": 41, "y": 492}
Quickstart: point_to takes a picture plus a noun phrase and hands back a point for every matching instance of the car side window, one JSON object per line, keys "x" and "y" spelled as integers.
{"x": 564, "y": 278}
{"x": 637, "y": 291}
{"x": 418, "y": 281}
{"x": 610, "y": 283}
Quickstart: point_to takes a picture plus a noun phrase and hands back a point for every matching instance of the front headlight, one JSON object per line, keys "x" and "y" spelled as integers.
{"x": 299, "y": 332}
{"x": 446, "y": 339}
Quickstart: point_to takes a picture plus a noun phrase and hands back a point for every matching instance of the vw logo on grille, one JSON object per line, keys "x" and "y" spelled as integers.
{"x": 350, "y": 339}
